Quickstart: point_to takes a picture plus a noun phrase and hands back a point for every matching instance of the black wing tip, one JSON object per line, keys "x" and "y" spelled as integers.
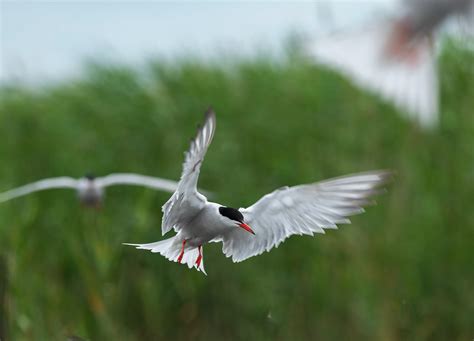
{"x": 210, "y": 109}
{"x": 210, "y": 113}
{"x": 208, "y": 116}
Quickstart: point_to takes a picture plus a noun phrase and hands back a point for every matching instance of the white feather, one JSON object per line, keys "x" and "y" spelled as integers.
{"x": 186, "y": 202}
{"x": 413, "y": 87}
{"x": 303, "y": 209}
{"x": 41, "y": 185}
{"x": 170, "y": 249}
{"x": 138, "y": 180}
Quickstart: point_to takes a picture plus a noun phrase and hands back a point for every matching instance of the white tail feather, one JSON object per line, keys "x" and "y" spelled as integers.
{"x": 170, "y": 249}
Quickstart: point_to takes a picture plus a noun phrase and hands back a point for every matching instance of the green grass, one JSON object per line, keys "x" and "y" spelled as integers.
{"x": 401, "y": 271}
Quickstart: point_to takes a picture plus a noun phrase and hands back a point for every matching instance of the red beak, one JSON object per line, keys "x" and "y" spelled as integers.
{"x": 246, "y": 228}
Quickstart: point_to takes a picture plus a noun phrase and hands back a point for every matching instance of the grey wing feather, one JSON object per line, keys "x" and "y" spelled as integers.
{"x": 304, "y": 209}
{"x": 425, "y": 15}
{"x": 61, "y": 182}
{"x": 187, "y": 201}
{"x": 139, "y": 180}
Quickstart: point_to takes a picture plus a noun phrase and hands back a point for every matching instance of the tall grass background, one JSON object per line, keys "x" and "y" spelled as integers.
{"x": 401, "y": 271}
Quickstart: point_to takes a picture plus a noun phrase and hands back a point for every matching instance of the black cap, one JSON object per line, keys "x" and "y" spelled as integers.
{"x": 90, "y": 176}
{"x": 231, "y": 213}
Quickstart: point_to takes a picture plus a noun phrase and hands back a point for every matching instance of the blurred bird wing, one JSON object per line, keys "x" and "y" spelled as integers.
{"x": 138, "y": 180}
{"x": 62, "y": 182}
{"x": 361, "y": 56}
{"x": 426, "y": 16}
{"x": 303, "y": 209}
{"x": 187, "y": 201}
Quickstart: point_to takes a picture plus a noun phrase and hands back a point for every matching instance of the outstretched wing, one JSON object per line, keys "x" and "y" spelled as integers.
{"x": 411, "y": 82}
{"x": 187, "y": 201}
{"x": 138, "y": 180}
{"x": 425, "y": 16}
{"x": 62, "y": 182}
{"x": 304, "y": 209}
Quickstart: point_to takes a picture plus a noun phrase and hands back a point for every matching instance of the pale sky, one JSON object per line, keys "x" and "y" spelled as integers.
{"x": 42, "y": 40}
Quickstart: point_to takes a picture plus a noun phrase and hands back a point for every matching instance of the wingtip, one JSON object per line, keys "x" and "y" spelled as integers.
{"x": 129, "y": 244}
{"x": 210, "y": 112}
{"x": 208, "y": 115}
{"x": 383, "y": 175}
{"x": 387, "y": 175}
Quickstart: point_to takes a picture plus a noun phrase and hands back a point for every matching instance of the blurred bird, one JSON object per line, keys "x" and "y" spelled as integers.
{"x": 395, "y": 58}
{"x": 247, "y": 232}
{"x": 90, "y": 190}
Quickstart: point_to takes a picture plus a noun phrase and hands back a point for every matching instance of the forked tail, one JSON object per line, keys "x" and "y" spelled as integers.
{"x": 171, "y": 248}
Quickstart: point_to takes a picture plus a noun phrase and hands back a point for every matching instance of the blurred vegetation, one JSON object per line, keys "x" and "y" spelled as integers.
{"x": 401, "y": 271}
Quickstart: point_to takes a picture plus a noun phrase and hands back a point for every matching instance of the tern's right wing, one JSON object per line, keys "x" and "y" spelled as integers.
{"x": 187, "y": 201}
{"x": 62, "y": 182}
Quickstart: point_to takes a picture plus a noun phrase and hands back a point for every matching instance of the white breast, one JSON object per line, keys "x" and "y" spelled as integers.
{"x": 89, "y": 192}
{"x": 207, "y": 225}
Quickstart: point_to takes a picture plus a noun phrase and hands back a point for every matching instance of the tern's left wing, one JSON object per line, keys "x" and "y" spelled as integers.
{"x": 138, "y": 180}
{"x": 61, "y": 182}
{"x": 304, "y": 209}
{"x": 187, "y": 201}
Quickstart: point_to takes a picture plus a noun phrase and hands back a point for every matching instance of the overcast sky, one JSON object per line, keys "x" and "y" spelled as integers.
{"x": 49, "y": 40}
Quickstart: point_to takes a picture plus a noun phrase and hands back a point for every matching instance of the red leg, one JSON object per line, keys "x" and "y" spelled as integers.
{"x": 199, "y": 259}
{"x": 181, "y": 254}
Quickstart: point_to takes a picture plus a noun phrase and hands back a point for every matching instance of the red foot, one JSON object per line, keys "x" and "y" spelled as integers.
{"x": 198, "y": 260}
{"x": 181, "y": 254}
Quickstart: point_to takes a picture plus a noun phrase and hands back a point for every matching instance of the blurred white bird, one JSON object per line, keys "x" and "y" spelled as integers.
{"x": 247, "y": 232}
{"x": 90, "y": 189}
{"x": 395, "y": 58}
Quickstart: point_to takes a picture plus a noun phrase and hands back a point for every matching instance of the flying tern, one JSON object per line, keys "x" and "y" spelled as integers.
{"x": 91, "y": 189}
{"x": 395, "y": 57}
{"x": 247, "y": 232}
